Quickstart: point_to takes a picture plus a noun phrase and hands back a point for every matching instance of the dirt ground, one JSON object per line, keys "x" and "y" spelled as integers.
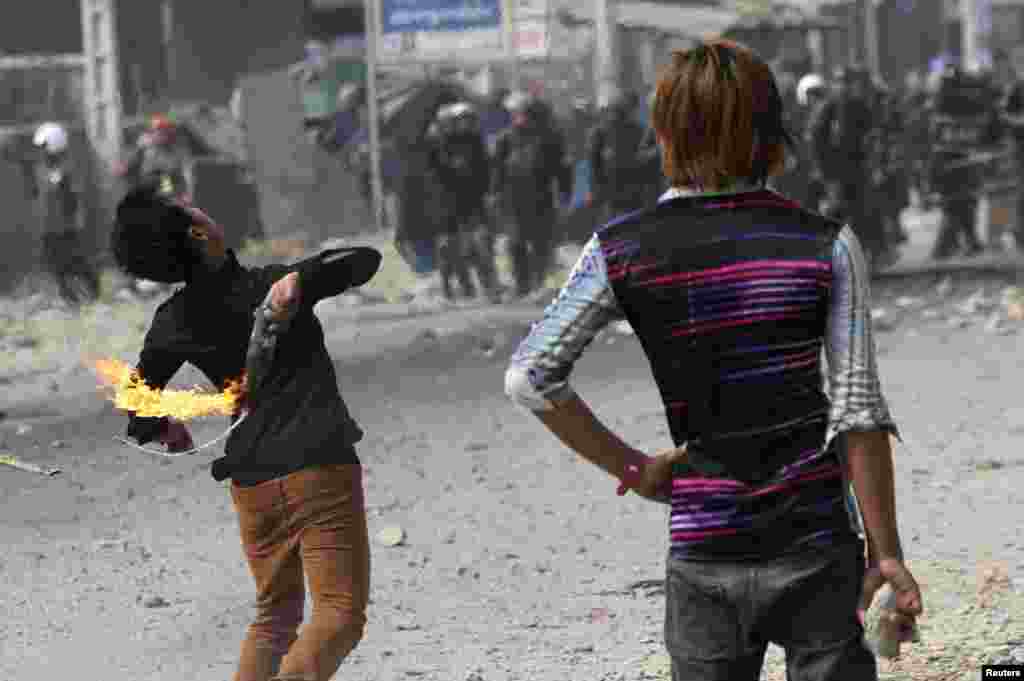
{"x": 519, "y": 561}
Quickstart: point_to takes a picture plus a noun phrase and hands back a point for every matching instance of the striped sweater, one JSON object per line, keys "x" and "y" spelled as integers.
{"x": 733, "y": 298}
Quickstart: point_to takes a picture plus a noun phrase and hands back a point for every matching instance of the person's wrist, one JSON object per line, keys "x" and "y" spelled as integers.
{"x": 632, "y": 463}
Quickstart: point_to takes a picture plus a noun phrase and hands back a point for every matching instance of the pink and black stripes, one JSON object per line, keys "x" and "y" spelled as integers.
{"x": 728, "y": 298}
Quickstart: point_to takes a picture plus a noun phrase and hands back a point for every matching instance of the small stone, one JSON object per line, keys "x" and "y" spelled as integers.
{"x": 391, "y": 536}
{"x": 907, "y": 301}
{"x": 57, "y": 444}
{"x": 449, "y": 537}
{"x": 155, "y": 602}
{"x": 24, "y": 429}
{"x": 958, "y": 322}
{"x": 881, "y": 321}
{"x": 476, "y": 447}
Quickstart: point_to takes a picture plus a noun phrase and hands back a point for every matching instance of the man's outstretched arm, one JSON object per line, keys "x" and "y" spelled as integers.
{"x": 332, "y": 272}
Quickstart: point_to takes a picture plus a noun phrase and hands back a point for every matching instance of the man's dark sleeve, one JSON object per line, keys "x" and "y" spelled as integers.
{"x": 562, "y": 167}
{"x": 482, "y": 170}
{"x": 161, "y": 357}
{"x": 334, "y": 271}
{"x": 69, "y": 199}
{"x": 1014, "y": 102}
{"x": 498, "y": 166}
{"x": 818, "y": 131}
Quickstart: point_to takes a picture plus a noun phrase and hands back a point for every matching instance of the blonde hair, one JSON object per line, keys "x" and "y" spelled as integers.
{"x": 719, "y": 116}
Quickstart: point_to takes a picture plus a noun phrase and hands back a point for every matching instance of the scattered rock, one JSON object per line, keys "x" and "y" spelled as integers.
{"x": 449, "y": 537}
{"x": 990, "y": 465}
{"x": 995, "y": 325}
{"x": 993, "y": 579}
{"x": 391, "y": 536}
{"x": 476, "y": 447}
{"x": 23, "y": 342}
{"x": 957, "y": 322}
{"x": 944, "y": 287}
{"x": 977, "y": 303}
{"x": 881, "y": 320}
{"x": 58, "y": 444}
{"x": 657, "y": 666}
{"x": 155, "y": 602}
{"x": 24, "y": 429}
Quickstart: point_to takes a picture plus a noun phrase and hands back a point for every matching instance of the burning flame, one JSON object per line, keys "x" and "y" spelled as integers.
{"x": 132, "y": 394}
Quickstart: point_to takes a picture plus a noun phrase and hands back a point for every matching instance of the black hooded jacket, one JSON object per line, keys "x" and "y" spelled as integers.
{"x": 300, "y": 418}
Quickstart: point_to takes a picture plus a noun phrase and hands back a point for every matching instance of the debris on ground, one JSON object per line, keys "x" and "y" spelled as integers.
{"x": 391, "y": 536}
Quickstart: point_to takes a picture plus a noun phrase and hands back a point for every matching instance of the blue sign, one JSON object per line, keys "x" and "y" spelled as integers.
{"x": 413, "y": 16}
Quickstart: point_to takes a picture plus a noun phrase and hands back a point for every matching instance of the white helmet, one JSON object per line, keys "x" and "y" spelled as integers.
{"x": 517, "y": 101}
{"x": 812, "y": 81}
{"x": 51, "y": 137}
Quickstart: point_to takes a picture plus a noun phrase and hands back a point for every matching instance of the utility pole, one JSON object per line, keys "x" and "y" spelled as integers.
{"x": 869, "y": 15}
{"x": 169, "y": 45}
{"x": 605, "y": 34}
{"x": 102, "y": 78}
{"x": 976, "y": 31}
{"x": 372, "y": 23}
{"x": 508, "y": 40}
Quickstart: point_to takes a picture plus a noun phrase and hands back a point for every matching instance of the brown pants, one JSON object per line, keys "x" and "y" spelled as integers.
{"x": 309, "y": 524}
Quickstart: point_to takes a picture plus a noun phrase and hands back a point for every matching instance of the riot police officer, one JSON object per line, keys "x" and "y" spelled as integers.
{"x": 459, "y": 158}
{"x": 842, "y": 139}
{"x": 892, "y": 165}
{"x": 624, "y": 169}
{"x": 965, "y": 121}
{"x": 530, "y": 159}
{"x": 61, "y": 218}
{"x": 161, "y": 157}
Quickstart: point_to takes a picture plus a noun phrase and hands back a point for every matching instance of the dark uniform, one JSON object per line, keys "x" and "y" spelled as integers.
{"x": 625, "y": 172}
{"x": 964, "y": 122}
{"x": 59, "y": 214}
{"x": 529, "y": 159}
{"x": 892, "y": 175}
{"x": 1013, "y": 106}
{"x": 842, "y": 135}
{"x": 162, "y": 156}
{"x": 459, "y": 158}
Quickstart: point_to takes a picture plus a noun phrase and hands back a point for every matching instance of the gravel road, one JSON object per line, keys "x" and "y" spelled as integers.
{"x": 519, "y": 561}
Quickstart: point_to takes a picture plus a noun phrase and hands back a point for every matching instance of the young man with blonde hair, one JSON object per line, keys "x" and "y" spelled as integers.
{"x": 734, "y": 291}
